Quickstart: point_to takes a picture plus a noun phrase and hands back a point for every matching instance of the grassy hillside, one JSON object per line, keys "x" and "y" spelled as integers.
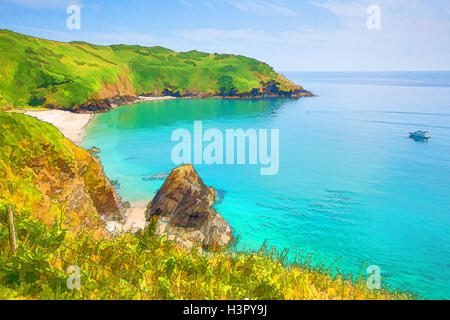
{"x": 56, "y": 191}
{"x": 142, "y": 266}
{"x": 78, "y": 75}
{"x": 43, "y": 172}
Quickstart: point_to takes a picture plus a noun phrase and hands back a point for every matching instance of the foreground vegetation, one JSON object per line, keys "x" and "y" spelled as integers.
{"x": 43, "y": 73}
{"x": 144, "y": 267}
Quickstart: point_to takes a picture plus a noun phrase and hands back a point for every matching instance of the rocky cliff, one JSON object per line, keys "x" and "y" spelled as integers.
{"x": 182, "y": 210}
{"x": 46, "y": 174}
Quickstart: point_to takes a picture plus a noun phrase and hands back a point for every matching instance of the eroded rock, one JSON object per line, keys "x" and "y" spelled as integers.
{"x": 94, "y": 150}
{"x": 182, "y": 211}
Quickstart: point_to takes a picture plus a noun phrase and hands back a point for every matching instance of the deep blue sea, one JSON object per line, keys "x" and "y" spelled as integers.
{"x": 352, "y": 189}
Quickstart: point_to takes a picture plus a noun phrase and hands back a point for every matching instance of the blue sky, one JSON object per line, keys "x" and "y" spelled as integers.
{"x": 322, "y": 35}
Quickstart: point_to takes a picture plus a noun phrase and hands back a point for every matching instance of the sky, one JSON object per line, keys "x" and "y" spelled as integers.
{"x": 290, "y": 35}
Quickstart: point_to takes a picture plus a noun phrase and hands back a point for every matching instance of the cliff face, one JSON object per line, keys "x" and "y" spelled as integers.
{"x": 83, "y": 77}
{"x": 181, "y": 210}
{"x": 46, "y": 174}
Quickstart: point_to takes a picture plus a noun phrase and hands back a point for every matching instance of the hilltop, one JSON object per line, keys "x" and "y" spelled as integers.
{"x": 79, "y": 76}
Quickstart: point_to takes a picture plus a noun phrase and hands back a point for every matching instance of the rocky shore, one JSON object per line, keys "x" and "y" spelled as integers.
{"x": 182, "y": 211}
{"x": 269, "y": 89}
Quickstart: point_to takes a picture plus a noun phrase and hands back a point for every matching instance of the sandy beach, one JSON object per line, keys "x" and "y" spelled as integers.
{"x": 71, "y": 125}
{"x": 134, "y": 221}
{"x": 142, "y": 98}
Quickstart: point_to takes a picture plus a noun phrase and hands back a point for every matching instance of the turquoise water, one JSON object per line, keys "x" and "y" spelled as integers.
{"x": 352, "y": 188}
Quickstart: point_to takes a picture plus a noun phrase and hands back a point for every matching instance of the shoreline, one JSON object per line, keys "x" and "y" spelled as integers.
{"x": 132, "y": 222}
{"x": 139, "y": 99}
{"x": 98, "y": 106}
{"x": 71, "y": 125}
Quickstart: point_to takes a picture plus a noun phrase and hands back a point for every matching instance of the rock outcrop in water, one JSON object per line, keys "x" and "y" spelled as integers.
{"x": 181, "y": 210}
{"x": 94, "y": 150}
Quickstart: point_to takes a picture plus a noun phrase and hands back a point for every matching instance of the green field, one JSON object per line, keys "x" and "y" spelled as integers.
{"x": 42, "y": 73}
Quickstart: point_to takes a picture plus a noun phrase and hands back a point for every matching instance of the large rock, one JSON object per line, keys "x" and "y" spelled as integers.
{"x": 182, "y": 211}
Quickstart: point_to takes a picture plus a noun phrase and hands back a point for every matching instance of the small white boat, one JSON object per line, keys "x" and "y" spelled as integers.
{"x": 419, "y": 135}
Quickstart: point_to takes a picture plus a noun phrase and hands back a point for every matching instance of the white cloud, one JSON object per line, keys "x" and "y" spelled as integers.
{"x": 349, "y": 9}
{"x": 101, "y": 38}
{"x": 261, "y": 7}
{"x": 52, "y": 4}
{"x": 209, "y": 4}
{"x": 186, "y": 2}
{"x": 302, "y": 35}
{"x": 121, "y": 38}
{"x": 212, "y": 35}
{"x": 413, "y": 36}
{"x": 402, "y": 21}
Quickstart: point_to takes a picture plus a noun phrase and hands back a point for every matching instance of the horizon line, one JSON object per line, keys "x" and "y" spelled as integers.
{"x": 408, "y": 70}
